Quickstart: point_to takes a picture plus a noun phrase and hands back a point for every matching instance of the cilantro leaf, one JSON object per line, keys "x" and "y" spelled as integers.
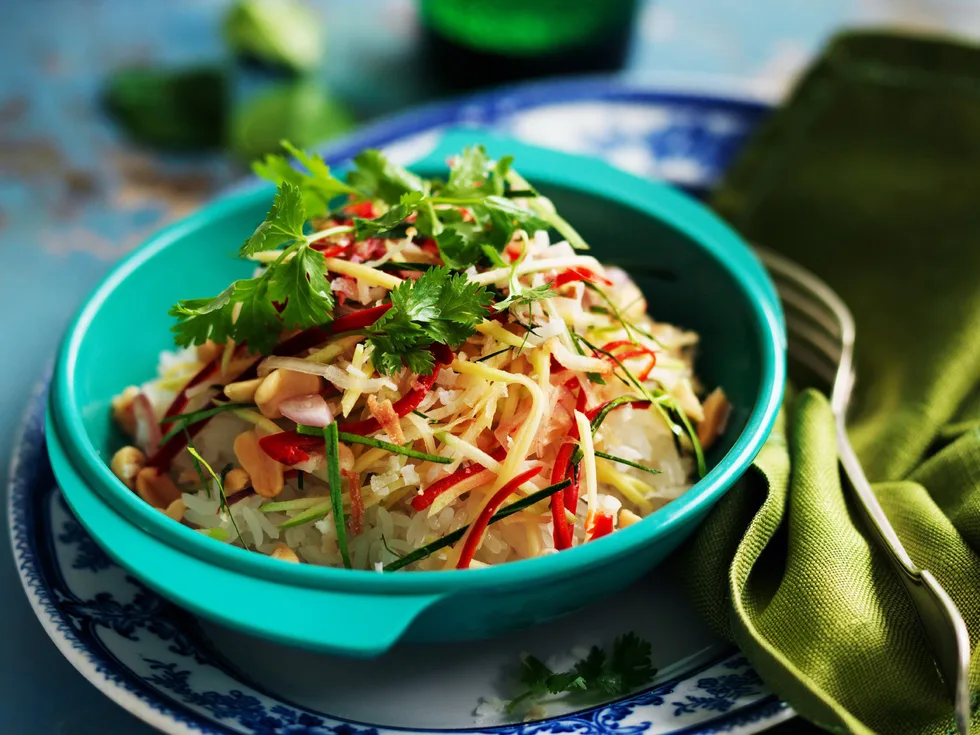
{"x": 540, "y": 680}
{"x": 388, "y": 223}
{"x": 527, "y": 296}
{"x": 283, "y": 223}
{"x": 316, "y": 184}
{"x": 438, "y": 306}
{"x": 203, "y": 319}
{"x": 631, "y": 661}
{"x": 468, "y": 174}
{"x": 461, "y": 246}
{"x": 301, "y": 284}
{"x": 627, "y": 669}
{"x": 375, "y": 177}
{"x": 507, "y": 217}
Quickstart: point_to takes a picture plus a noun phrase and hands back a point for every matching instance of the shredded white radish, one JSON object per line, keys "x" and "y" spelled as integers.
{"x": 588, "y": 462}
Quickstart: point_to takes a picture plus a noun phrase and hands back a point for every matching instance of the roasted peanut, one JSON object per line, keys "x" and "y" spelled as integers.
{"x": 280, "y": 385}
{"x": 716, "y": 411}
{"x": 627, "y": 518}
{"x": 265, "y": 473}
{"x": 243, "y": 391}
{"x": 284, "y": 553}
{"x": 237, "y": 480}
{"x": 122, "y": 410}
{"x": 209, "y": 351}
{"x": 126, "y": 464}
{"x": 176, "y": 510}
{"x": 188, "y": 477}
{"x": 155, "y": 488}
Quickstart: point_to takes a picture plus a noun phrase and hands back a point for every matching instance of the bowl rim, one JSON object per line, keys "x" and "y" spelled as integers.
{"x": 583, "y": 174}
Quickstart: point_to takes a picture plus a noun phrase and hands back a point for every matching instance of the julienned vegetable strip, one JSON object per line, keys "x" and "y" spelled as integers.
{"x": 437, "y": 488}
{"x": 627, "y": 462}
{"x": 451, "y": 538}
{"x": 377, "y": 443}
{"x": 403, "y": 406}
{"x": 475, "y": 537}
{"x": 330, "y": 434}
{"x": 188, "y": 419}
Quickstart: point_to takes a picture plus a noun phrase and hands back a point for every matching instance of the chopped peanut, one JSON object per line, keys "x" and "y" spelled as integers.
{"x": 188, "y": 477}
{"x": 122, "y": 410}
{"x": 265, "y": 473}
{"x": 176, "y": 510}
{"x": 627, "y": 518}
{"x": 280, "y": 385}
{"x": 716, "y": 412}
{"x": 156, "y": 489}
{"x": 284, "y": 553}
{"x": 126, "y": 464}
{"x": 243, "y": 391}
{"x": 208, "y": 351}
{"x": 237, "y": 480}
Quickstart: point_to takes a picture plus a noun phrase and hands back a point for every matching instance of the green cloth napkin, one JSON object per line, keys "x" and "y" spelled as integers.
{"x": 870, "y": 177}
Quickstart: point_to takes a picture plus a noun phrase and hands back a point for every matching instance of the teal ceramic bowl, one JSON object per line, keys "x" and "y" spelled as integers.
{"x": 700, "y": 275}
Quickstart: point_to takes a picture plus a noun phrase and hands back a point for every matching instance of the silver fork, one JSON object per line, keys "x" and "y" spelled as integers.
{"x": 820, "y": 335}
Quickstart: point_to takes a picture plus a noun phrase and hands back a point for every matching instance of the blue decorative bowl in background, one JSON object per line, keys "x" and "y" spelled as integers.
{"x": 697, "y": 273}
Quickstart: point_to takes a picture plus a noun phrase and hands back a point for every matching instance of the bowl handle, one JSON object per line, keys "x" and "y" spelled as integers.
{"x": 341, "y": 623}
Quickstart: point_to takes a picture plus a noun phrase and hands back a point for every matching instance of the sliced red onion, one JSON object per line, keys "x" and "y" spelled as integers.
{"x": 311, "y": 410}
{"x": 147, "y": 429}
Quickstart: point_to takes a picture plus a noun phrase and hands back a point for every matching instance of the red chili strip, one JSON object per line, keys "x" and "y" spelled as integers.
{"x": 289, "y": 447}
{"x": 579, "y": 274}
{"x": 602, "y": 525}
{"x": 403, "y": 406}
{"x": 329, "y": 249}
{"x": 479, "y": 527}
{"x": 562, "y": 532}
{"x": 180, "y": 401}
{"x": 437, "y": 488}
{"x": 616, "y": 344}
{"x": 364, "y": 210}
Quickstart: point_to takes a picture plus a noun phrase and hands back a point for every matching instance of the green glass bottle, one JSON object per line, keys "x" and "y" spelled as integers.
{"x": 471, "y": 43}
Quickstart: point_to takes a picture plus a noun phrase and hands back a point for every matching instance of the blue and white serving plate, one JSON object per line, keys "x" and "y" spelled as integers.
{"x": 183, "y": 675}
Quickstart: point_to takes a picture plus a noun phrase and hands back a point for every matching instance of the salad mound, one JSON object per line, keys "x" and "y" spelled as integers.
{"x": 421, "y": 374}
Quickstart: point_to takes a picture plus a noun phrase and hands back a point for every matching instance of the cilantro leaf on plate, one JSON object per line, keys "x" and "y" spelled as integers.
{"x": 626, "y": 669}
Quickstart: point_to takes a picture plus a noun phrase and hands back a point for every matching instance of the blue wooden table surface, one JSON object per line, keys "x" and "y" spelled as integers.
{"x": 74, "y": 196}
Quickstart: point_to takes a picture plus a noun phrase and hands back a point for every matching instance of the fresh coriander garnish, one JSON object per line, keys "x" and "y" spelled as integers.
{"x": 598, "y": 674}
{"x": 438, "y": 306}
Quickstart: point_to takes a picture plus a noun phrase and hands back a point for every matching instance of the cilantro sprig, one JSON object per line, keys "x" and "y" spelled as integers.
{"x": 246, "y": 311}
{"x": 471, "y": 216}
{"x": 438, "y": 306}
{"x": 627, "y": 668}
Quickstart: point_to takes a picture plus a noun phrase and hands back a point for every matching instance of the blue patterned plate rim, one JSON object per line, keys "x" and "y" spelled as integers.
{"x": 72, "y": 628}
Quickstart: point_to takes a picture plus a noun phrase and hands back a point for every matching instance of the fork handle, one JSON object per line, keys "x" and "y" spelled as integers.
{"x": 940, "y": 620}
